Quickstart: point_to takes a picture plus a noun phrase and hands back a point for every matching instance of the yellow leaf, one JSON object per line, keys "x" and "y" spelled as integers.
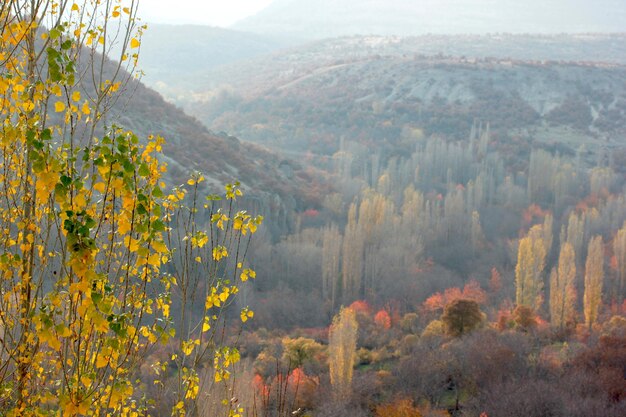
{"x": 99, "y": 187}
{"x": 86, "y": 109}
{"x": 224, "y": 295}
{"x": 159, "y": 246}
{"x": 134, "y": 43}
{"x": 85, "y": 380}
{"x": 123, "y": 226}
{"x": 76, "y": 96}
{"x": 59, "y": 106}
{"x": 48, "y": 337}
{"x": 154, "y": 260}
{"x": 75, "y": 7}
{"x": 101, "y": 361}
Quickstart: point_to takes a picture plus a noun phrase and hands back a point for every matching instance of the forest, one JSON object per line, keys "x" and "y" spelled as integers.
{"x": 396, "y": 236}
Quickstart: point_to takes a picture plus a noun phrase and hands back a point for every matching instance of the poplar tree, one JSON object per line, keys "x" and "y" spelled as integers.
{"x": 352, "y": 258}
{"x": 562, "y": 288}
{"x": 531, "y": 257}
{"x": 594, "y": 279}
{"x": 342, "y": 352}
{"x": 619, "y": 250}
{"x": 87, "y": 225}
{"x": 331, "y": 255}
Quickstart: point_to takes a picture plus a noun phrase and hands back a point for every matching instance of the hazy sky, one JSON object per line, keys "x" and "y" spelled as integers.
{"x": 207, "y": 12}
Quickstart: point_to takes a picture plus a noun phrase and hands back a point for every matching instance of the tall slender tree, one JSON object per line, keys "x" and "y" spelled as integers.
{"x": 619, "y": 250}
{"x": 342, "y": 352}
{"x": 562, "y": 288}
{"x": 531, "y": 257}
{"x": 594, "y": 280}
{"x": 331, "y": 255}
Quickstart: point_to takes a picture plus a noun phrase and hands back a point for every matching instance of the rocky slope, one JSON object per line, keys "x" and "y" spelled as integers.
{"x": 374, "y": 90}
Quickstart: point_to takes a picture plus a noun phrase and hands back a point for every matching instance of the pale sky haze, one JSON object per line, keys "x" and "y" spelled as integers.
{"x": 205, "y": 12}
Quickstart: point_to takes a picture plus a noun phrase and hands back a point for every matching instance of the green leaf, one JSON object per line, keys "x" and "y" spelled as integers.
{"x": 144, "y": 171}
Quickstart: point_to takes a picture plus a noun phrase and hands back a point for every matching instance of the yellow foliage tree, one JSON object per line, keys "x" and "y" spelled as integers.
{"x": 594, "y": 277}
{"x": 85, "y": 225}
{"x": 342, "y": 351}
{"x": 562, "y": 288}
{"x": 619, "y": 249}
{"x": 531, "y": 258}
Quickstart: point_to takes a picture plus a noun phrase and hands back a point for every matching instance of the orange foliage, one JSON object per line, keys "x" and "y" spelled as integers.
{"x": 531, "y": 213}
{"x": 398, "y": 408}
{"x": 361, "y": 306}
{"x": 504, "y": 319}
{"x": 303, "y": 387}
{"x": 404, "y": 408}
{"x": 592, "y": 200}
{"x": 261, "y": 389}
{"x": 471, "y": 291}
{"x": 383, "y": 319}
{"x": 495, "y": 282}
{"x": 613, "y": 263}
{"x": 542, "y": 324}
{"x": 311, "y": 212}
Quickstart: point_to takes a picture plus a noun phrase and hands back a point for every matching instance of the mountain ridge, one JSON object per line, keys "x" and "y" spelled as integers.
{"x": 316, "y": 19}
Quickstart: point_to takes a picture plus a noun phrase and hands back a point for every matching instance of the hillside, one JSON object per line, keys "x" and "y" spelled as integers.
{"x": 275, "y": 186}
{"x": 310, "y": 98}
{"x": 314, "y": 19}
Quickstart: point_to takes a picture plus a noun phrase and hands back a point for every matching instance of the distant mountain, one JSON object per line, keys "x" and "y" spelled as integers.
{"x": 202, "y": 82}
{"x": 374, "y": 91}
{"x": 314, "y": 19}
{"x": 287, "y": 63}
{"x": 177, "y": 54}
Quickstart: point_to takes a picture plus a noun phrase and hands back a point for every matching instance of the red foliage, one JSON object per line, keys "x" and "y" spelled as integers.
{"x": 503, "y": 319}
{"x": 383, "y": 319}
{"x": 592, "y": 200}
{"x": 434, "y": 302}
{"x": 261, "y": 389}
{"x": 303, "y": 387}
{"x": 495, "y": 282}
{"x": 311, "y": 213}
{"x": 361, "y": 306}
{"x": 471, "y": 291}
{"x": 296, "y": 377}
{"x": 531, "y": 213}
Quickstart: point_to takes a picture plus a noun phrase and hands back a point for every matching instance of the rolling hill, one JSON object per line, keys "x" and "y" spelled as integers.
{"x": 378, "y": 89}
{"x": 275, "y": 186}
